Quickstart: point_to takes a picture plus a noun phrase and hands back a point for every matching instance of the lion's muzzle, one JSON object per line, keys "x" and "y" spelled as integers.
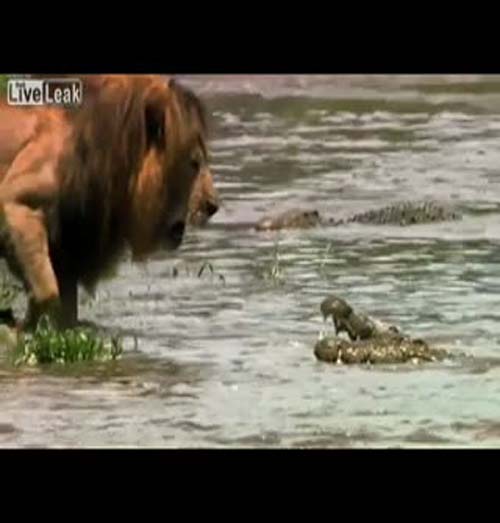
{"x": 204, "y": 212}
{"x": 211, "y": 207}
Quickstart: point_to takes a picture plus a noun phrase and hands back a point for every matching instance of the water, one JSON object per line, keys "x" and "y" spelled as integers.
{"x": 228, "y": 362}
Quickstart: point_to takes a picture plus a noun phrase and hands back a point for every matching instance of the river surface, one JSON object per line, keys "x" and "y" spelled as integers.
{"x": 226, "y": 359}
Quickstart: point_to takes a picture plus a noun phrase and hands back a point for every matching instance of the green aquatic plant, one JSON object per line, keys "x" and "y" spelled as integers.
{"x": 48, "y": 345}
{"x": 274, "y": 272}
{"x": 324, "y": 258}
{"x": 210, "y": 267}
{"x": 192, "y": 272}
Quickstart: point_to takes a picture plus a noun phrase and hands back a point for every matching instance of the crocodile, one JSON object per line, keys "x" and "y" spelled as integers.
{"x": 402, "y": 213}
{"x": 370, "y": 340}
{"x": 358, "y": 326}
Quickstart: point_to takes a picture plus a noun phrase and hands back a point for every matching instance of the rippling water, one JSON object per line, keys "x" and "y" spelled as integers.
{"x": 226, "y": 359}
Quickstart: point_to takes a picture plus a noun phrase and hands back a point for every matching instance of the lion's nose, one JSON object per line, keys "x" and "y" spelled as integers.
{"x": 211, "y": 207}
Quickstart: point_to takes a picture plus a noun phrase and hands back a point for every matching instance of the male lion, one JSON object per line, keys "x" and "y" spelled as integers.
{"x": 79, "y": 186}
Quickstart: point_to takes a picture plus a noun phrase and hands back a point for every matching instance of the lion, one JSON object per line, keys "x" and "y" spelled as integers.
{"x": 78, "y": 187}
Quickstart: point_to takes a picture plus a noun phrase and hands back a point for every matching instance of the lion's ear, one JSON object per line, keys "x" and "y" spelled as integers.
{"x": 155, "y": 114}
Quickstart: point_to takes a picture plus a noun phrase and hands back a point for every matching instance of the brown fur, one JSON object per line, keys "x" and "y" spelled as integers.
{"x": 204, "y": 200}
{"x": 79, "y": 186}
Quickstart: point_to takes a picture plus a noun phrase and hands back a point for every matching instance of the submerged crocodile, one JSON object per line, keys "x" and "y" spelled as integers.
{"x": 370, "y": 340}
{"x": 402, "y": 213}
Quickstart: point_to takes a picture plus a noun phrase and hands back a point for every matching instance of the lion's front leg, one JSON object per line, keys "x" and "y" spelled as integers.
{"x": 29, "y": 242}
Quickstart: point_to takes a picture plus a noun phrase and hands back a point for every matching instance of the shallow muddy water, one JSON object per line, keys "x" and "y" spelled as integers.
{"x": 228, "y": 361}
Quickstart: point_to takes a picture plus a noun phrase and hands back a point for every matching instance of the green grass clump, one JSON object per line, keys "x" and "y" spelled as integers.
{"x": 48, "y": 345}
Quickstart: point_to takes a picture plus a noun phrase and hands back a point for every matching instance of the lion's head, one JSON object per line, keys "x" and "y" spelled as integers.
{"x": 138, "y": 146}
{"x": 176, "y": 157}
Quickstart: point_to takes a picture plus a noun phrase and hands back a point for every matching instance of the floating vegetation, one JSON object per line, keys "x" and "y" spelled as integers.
{"x": 47, "y": 345}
